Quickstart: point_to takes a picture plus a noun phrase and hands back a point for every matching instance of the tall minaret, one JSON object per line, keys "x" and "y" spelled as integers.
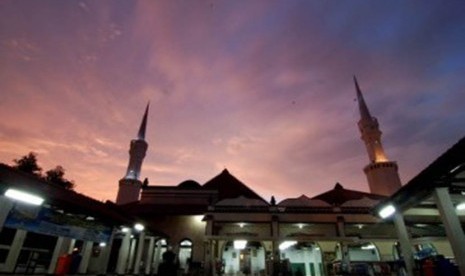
{"x": 382, "y": 174}
{"x": 130, "y": 185}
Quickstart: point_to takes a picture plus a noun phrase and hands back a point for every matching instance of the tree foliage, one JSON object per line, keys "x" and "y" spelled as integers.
{"x": 28, "y": 164}
{"x": 56, "y": 176}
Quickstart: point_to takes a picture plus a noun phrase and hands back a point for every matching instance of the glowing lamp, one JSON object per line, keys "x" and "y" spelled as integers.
{"x": 240, "y": 244}
{"x": 286, "y": 244}
{"x": 387, "y": 211}
{"x": 460, "y": 206}
{"x": 24, "y": 197}
{"x": 139, "y": 227}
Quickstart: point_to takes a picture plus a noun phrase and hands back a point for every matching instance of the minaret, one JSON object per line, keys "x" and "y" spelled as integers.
{"x": 130, "y": 185}
{"x": 382, "y": 174}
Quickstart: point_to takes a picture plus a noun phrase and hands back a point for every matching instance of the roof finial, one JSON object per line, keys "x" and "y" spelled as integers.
{"x": 143, "y": 125}
{"x": 364, "y": 112}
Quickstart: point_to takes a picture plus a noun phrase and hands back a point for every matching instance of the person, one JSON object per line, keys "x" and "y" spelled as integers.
{"x": 168, "y": 266}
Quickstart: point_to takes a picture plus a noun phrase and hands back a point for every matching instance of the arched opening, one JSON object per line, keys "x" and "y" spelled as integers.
{"x": 301, "y": 258}
{"x": 185, "y": 254}
{"x": 241, "y": 256}
{"x": 161, "y": 246}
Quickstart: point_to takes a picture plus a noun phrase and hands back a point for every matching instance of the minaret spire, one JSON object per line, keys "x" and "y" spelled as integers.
{"x": 381, "y": 173}
{"x": 130, "y": 185}
{"x": 364, "y": 112}
{"x": 143, "y": 124}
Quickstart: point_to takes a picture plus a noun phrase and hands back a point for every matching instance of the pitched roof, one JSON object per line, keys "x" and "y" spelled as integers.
{"x": 338, "y": 195}
{"x": 230, "y": 187}
{"x": 303, "y": 201}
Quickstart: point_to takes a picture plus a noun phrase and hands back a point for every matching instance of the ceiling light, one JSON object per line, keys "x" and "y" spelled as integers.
{"x": 24, "y": 197}
{"x": 139, "y": 227}
{"x": 461, "y": 206}
{"x": 387, "y": 211}
{"x": 286, "y": 244}
{"x": 240, "y": 244}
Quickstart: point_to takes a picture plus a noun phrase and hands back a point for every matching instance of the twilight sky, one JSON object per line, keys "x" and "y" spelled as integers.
{"x": 263, "y": 88}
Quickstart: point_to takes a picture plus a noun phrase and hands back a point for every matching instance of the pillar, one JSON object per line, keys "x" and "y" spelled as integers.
{"x": 452, "y": 225}
{"x": 106, "y": 251}
{"x": 61, "y": 248}
{"x": 149, "y": 258}
{"x": 7, "y": 205}
{"x": 345, "y": 258}
{"x": 156, "y": 259}
{"x": 140, "y": 247}
{"x": 132, "y": 250}
{"x": 71, "y": 246}
{"x": 14, "y": 251}
{"x": 85, "y": 253}
{"x": 404, "y": 241}
{"x": 123, "y": 254}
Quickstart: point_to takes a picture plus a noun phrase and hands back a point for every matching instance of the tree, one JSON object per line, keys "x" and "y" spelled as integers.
{"x": 56, "y": 176}
{"x": 28, "y": 164}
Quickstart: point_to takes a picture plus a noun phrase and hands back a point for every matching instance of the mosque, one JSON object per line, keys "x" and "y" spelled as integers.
{"x": 223, "y": 227}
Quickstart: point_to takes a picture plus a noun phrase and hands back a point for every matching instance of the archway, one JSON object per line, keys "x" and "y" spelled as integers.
{"x": 247, "y": 257}
{"x": 302, "y": 258}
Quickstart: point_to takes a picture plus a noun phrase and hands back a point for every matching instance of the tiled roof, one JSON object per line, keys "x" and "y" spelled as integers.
{"x": 230, "y": 187}
{"x": 338, "y": 195}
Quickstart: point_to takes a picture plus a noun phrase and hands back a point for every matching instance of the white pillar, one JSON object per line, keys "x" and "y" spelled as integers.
{"x": 86, "y": 251}
{"x": 405, "y": 246}
{"x": 61, "y": 247}
{"x": 452, "y": 225}
{"x": 149, "y": 259}
{"x": 15, "y": 249}
{"x": 345, "y": 258}
{"x": 123, "y": 254}
{"x": 71, "y": 246}
{"x": 140, "y": 247}
{"x": 132, "y": 250}
{"x": 156, "y": 261}
{"x": 106, "y": 251}
{"x": 7, "y": 205}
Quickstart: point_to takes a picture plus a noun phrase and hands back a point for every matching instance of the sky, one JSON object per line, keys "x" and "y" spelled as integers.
{"x": 262, "y": 88}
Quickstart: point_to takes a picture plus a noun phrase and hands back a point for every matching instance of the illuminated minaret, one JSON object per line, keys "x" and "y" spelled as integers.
{"x": 382, "y": 174}
{"x": 130, "y": 185}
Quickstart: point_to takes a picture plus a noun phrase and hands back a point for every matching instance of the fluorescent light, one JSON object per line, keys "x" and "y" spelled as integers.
{"x": 368, "y": 247}
{"x": 461, "y": 206}
{"x": 24, "y": 197}
{"x": 286, "y": 244}
{"x": 139, "y": 227}
{"x": 240, "y": 244}
{"x": 387, "y": 211}
{"x": 125, "y": 229}
{"x": 102, "y": 244}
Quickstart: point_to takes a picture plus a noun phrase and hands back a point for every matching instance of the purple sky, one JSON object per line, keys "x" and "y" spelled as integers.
{"x": 263, "y": 88}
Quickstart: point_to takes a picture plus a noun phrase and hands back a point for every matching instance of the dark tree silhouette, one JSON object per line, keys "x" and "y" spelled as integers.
{"x": 28, "y": 164}
{"x": 56, "y": 176}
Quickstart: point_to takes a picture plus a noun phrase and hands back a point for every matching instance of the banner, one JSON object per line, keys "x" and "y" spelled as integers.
{"x": 50, "y": 222}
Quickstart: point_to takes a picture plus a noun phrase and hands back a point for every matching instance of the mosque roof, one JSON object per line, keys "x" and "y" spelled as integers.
{"x": 229, "y": 186}
{"x": 338, "y": 196}
{"x": 303, "y": 201}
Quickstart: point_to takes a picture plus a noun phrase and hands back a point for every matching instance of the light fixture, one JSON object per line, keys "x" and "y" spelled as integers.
{"x": 139, "y": 227}
{"x": 301, "y": 226}
{"x": 460, "y": 206}
{"x": 387, "y": 211}
{"x": 286, "y": 244}
{"x": 24, "y": 197}
{"x": 240, "y": 244}
{"x": 125, "y": 229}
{"x": 368, "y": 247}
{"x": 102, "y": 244}
{"x": 241, "y": 225}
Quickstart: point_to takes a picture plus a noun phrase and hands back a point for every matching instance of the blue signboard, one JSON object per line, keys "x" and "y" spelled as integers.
{"x": 50, "y": 222}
